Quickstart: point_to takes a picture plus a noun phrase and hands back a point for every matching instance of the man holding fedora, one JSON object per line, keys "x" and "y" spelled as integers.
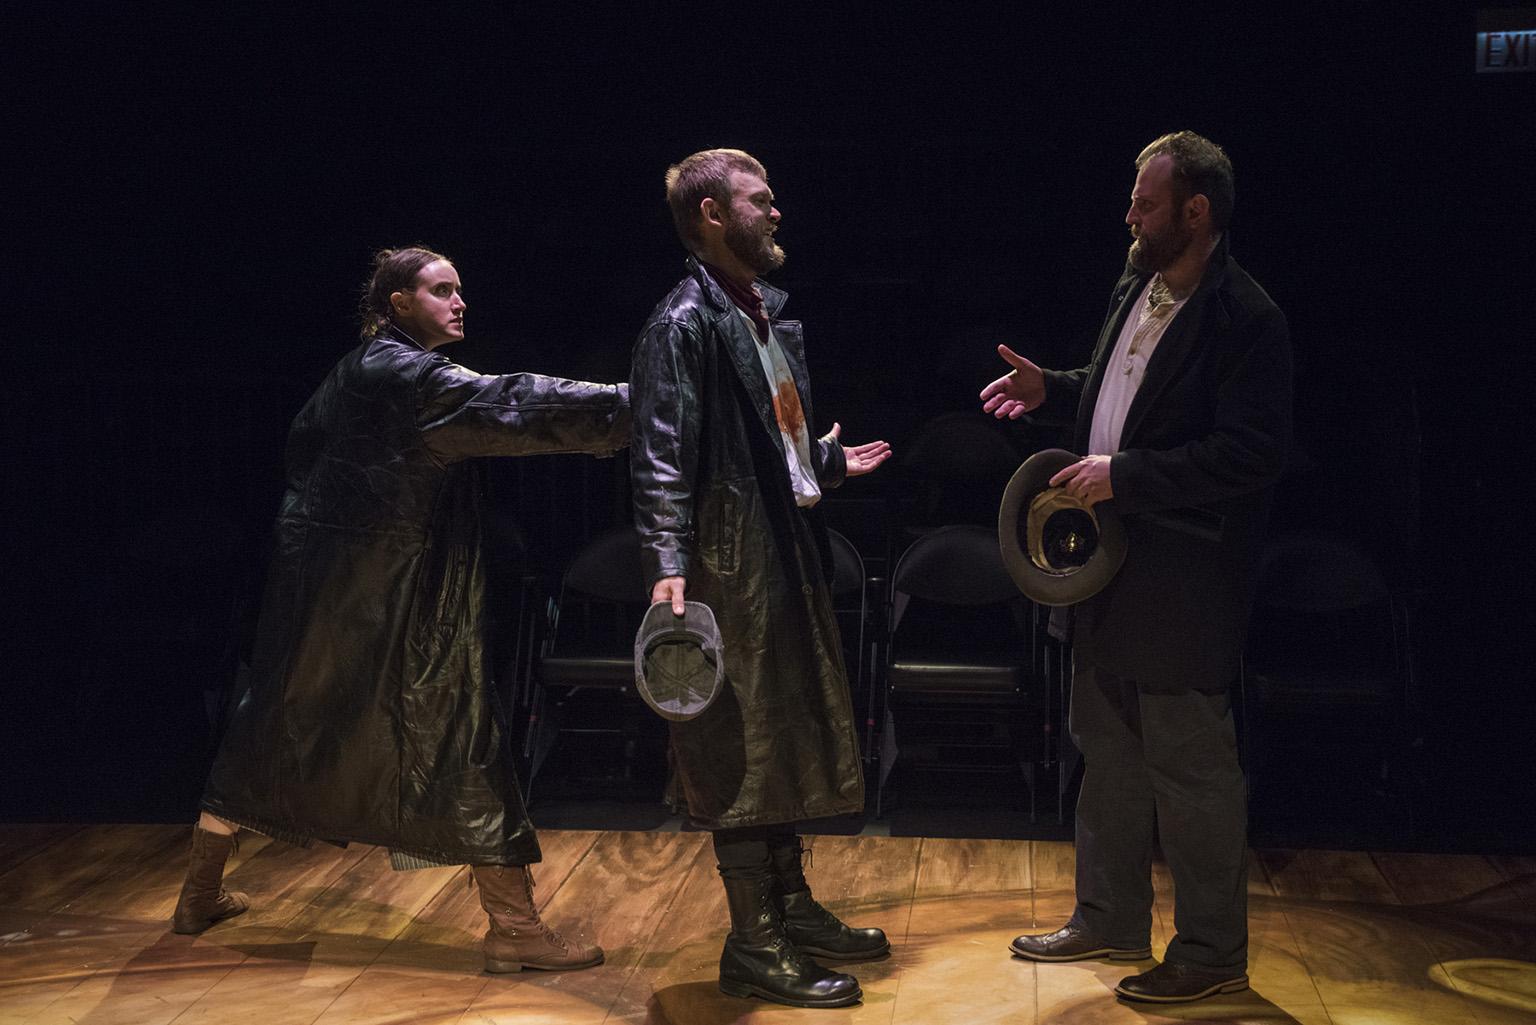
{"x": 726, "y": 480}
{"x": 1184, "y": 418}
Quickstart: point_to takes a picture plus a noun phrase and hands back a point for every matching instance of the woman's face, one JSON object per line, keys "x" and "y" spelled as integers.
{"x": 432, "y": 311}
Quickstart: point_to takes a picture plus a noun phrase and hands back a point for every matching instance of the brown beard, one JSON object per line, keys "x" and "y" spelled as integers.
{"x": 1152, "y": 253}
{"x": 756, "y": 250}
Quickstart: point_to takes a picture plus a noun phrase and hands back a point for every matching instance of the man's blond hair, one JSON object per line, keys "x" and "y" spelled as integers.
{"x": 704, "y": 174}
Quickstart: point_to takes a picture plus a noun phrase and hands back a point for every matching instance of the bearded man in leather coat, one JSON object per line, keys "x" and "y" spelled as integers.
{"x": 369, "y": 716}
{"x": 726, "y": 478}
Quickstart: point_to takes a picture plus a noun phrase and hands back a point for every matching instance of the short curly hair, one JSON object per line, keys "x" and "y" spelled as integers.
{"x": 1200, "y": 168}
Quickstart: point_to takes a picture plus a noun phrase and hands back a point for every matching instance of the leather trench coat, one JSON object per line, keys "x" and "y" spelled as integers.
{"x": 370, "y": 716}
{"x": 714, "y": 504}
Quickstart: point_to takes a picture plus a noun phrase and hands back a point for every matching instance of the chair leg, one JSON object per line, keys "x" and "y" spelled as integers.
{"x": 535, "y": 710}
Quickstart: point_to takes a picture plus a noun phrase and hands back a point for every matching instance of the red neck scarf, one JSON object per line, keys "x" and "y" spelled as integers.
{"x": 746, "y": 297}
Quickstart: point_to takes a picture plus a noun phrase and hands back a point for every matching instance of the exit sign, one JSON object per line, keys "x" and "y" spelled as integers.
{"x": 1506, "y": 40}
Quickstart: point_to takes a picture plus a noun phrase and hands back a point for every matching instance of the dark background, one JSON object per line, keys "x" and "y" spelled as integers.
{"x": 196, "y": 192}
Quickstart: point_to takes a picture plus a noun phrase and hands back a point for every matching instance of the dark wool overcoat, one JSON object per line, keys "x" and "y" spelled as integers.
{"x": 1204, "y": 441}
{"x": 370, "y": 716}
{"x": 714, "y": 504}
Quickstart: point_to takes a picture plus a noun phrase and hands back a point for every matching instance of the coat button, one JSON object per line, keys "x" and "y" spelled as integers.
{"x": 806, "y": 590}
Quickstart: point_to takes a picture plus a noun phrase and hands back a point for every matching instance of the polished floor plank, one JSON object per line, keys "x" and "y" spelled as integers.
{"x": 1471, "y": 915}
{"x": 971, "y": 897}
{"x": 1435, "y": 878}
{"x": 292, "y": 975}
{"x": 1327, "y": 875}
{"x": 22, "y": 840}
{"x": 432, "y": 970}
{"x": 675, "y": 980}
{"x": 75, "y": 864}
{"x": 615, "y": 897}
{"x": 1053, "y": 865}
{"x": 1277, "y": 974}
{"x": 336, "y": 938}
{"x": 166, "y": 973}
{"x": 281, "y": 881}
{"x": 1366, "y": 964}
{"x": 81, "y": 921}
{"x": 1514, "y": 865}
{"x": 959, "y": 867}
{"x": 1072, "y": 991}
{"x": 1060, "y": 990}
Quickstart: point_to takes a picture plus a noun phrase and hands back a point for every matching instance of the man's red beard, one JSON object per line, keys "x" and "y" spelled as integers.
{"x": 753, "y": 248}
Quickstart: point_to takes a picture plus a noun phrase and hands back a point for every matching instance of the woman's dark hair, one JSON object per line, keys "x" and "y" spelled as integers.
{"x": 394, "y": 270}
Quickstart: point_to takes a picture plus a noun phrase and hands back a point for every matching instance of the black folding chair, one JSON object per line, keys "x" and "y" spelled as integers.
{"x": 953, "y": 470}
{"x": 587, "y": 650}
{"x": 1330, "y": 657}
{"x": 961, "y": 683}
{"x": 850, "y": 602}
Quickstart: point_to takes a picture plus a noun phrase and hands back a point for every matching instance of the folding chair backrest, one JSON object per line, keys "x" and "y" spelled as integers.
{"x": 609, "y": 567}
{"x": 1319, "y": 573}
{"x": 955, "y": 565}
{"x": 847, "y": 566}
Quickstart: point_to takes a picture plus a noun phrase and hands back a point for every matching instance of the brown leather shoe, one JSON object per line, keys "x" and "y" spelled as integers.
{"x": 203, "y": 899}
{"x": 1072, "y": 943}
{"x": 518, "y": 938}
{"x": 1177, "y": 983}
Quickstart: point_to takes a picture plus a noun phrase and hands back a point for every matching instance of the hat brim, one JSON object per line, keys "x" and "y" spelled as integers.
{"x": 1038, "y": 585}
{"x": 669, "y": 697}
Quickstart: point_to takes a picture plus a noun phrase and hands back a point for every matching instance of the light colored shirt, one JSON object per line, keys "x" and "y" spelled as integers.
{"x": 1143, "y": 329}
{"x": 790, "y": 415}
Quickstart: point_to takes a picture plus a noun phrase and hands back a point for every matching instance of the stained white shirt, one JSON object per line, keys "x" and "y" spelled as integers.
{"x": 1127, "y": 366}
{"x": 790, "y": 415}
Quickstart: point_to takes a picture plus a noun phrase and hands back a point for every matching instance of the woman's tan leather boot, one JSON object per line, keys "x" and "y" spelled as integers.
{"x": 203, "y": 899}
{"x": 518, "y": 938}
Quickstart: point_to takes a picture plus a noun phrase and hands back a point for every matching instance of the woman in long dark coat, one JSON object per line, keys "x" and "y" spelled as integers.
{"x": 369, "y": 717}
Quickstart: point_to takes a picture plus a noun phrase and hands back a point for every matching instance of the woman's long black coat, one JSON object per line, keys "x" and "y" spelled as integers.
{"x": 713, "y": 504}
{"x": 370, "y": 717}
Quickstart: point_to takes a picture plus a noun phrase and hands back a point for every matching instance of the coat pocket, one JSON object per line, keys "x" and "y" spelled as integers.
{"x": 722, "y": 530}
{"x": 439, "y": 589}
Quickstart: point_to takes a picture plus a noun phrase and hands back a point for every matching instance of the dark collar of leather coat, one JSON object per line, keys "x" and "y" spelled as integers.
{"x": 773, "y": 298}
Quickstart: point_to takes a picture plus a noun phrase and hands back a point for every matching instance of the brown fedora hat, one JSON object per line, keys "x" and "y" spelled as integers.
{"x": 1058, "y": 550}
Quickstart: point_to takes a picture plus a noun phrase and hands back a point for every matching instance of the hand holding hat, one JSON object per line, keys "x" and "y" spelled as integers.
{"x": 1058, "y": 543}
{"x": 670, "y": 589}
{"x": 1086, "y": 480}
{"x": 679, "y": 668}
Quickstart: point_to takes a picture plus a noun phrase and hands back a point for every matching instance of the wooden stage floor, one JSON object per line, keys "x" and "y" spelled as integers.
{"x": 336, "y": 937}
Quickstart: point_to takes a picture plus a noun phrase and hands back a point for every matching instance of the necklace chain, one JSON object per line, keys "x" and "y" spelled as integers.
{"x": 1160, "y": 303}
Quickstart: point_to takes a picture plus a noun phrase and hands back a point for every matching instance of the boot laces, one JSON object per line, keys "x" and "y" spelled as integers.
{"x": 548, "y": 933}
{"x": 540, "y": 927}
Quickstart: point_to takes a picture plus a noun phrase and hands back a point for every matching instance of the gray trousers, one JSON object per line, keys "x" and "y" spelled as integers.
{"x": 1165, "y": 760}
